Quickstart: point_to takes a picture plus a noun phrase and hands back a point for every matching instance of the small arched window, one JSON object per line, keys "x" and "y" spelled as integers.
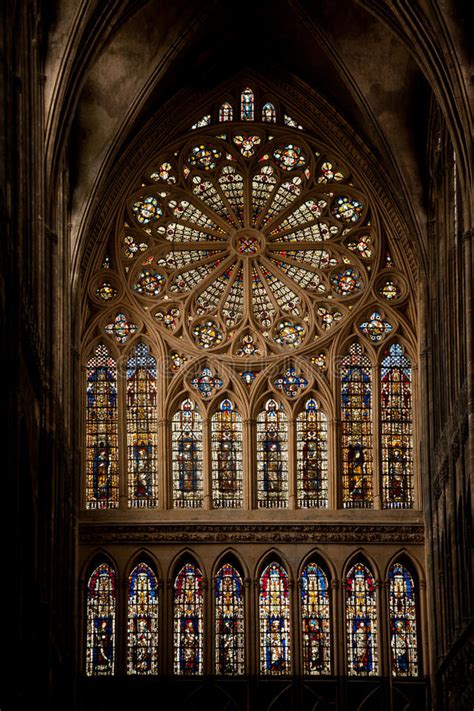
{"x": 142, "y": 428}
{"x": 403, "y": 621}
{"x": 312, "y": 456}
{"x": 247, "y": 105}
{"x": 315, "y": 619}
{"x": 227, "y": 456}
{"x": 229, "y": 621}
{"x": 269, "y": 113}
{"x": 102, "y": 485}
{"x": 272, "y": 456}
{"x": 186, "y": 432}
{"x": 142, "y": 648}
{"x": 188, "y": 621}
{"x": 274, "y": 618}
{"x": 361, "y": 622}
{"x": 226, "y": 112}
{"x": 101, "y": 607}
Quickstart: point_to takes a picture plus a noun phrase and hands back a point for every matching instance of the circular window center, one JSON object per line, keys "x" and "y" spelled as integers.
{"x": 248, "y": 242}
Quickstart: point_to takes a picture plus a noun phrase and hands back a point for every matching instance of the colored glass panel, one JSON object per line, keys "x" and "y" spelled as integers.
{"x": 403, "y": 621}
{"x": 186, "y": 433}
{"x": 272, "y": 456}
{"x": 356, "y": 415}
{"x": 226, "y": 112}
{"x": 142, "y": 647}
{"x": 396, "y": 415}
{"x": 361, "y": 622}
{"x": 188, "y": 621}
{"x": 227, "y": 458}
{"x": 101, "y": 610}
{"x": 315, "y": 613}
{"x": 247, "y": 105}
{"x": 312, "y": 456}
{"x": 269, "y": 113}
{"x": 101, "y": 431}
{"x": 142, "y": 427}
{"x": 274, "y": 618}
{"x": 230, "y": 653}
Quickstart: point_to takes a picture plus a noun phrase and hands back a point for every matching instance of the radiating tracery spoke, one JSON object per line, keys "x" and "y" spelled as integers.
{"x": 249, "y": 235}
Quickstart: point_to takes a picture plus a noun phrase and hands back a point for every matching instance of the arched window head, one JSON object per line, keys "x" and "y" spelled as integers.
{"x": 142, "y": 647}
{"x": 403, "y": 621}
{"x": 312, "y": 456}
{"x": 272, "y": 456}
{"x": 101, "y": 606}
{"x": 396, "y": 417}
{"x": 226, "y": 112}
{"x": 316, "y": 623}
{"x": 227, "y": 457}
{"x": 274, "y": 618}
{"x": 356, "y": 416}
{"x": 269, "y": 113}
{"x": 229, "y": 622}
{"x": 101, "y": 431}
{"x": 142, "y": 427}
{"x": 247, "y": 105}
{"x": 188, "y": 621}
{"x": 186, "y": 432}
{"x": 361, "y": 622}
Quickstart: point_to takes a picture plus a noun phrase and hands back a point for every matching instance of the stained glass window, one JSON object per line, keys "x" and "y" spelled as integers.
{"x": 396, "y": 428}
{"x": 227, "y": 462}
{"x": 142, "y": 652}
{"x": 312, "y": 456}
{"x": 315, "y": 611}
{"x": 142, "y": 425}
{"x": 361, "y": 622}
{"x": 272, "y": 456}
{"x": 188, "y": 621}
{"x": 356, "y": 416}
{"x": 247, "y": 105}
{"x": 269, "y": 113}
{"x": 101, "y": 604}
{"x": 403, "y": 622}
{"x": 226, "y": 112}
{"x": 101, "y": 432}
{"x": 274, "y": 616}
{"x": 229, "y": 621}
{"x": 186, "y": 429}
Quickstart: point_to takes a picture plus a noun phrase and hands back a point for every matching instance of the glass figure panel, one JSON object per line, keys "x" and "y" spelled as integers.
{"x": 188, "y": 621}
{"x": 274, "y": 614}
{"x": 102, "y": 476}
{"x": 230, "y": 653}
{"x": 142, "y": 647}
{"x": 101, "y": 606}
{"x": 361, "y": 622}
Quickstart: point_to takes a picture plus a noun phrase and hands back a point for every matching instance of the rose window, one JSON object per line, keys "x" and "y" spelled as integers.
{"x": 243, "y": 232}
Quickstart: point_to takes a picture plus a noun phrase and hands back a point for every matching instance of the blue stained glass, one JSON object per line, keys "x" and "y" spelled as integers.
{"x": 229, "y": 621}
{"x": 142, "y": 655}
{"x": 361, "y": 622}
{"x": 188, "y": 621}
{"x": 403, "y": 622}
{"x": 101, "y": 604}
{"x": 274, "y": 613}
{"x": 315, "y": 621}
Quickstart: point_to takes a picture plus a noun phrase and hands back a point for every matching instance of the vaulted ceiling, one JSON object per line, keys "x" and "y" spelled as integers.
{"x": 110, "y": 67}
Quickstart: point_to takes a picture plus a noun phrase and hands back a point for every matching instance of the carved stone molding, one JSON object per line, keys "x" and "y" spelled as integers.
{"x": 249, "y": 533}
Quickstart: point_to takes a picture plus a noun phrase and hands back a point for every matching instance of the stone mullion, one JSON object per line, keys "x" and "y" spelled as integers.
{"x": 338, "y": 628}
{"x": 250, "y": 464}
{"x": 249, "y": 629}
{"x": 122, "y": 431}
{"x": 163, "y": 619}
{"x": 121, "y": 629}
{"x": 207, "y": 628}
{"x": 164, "y": 464}
{"x": 293, "y": 589}
{"x": 384, "y": 629}
{"x": 167, "y": 667}
{"x": 292, "y": 468}
{"x": 334, "y": 464}
{"x": 206, "y": 464}
{"x": 255, "y": 642}
{"x": 422, "y": 629}
{"x": 377, "y": 478}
